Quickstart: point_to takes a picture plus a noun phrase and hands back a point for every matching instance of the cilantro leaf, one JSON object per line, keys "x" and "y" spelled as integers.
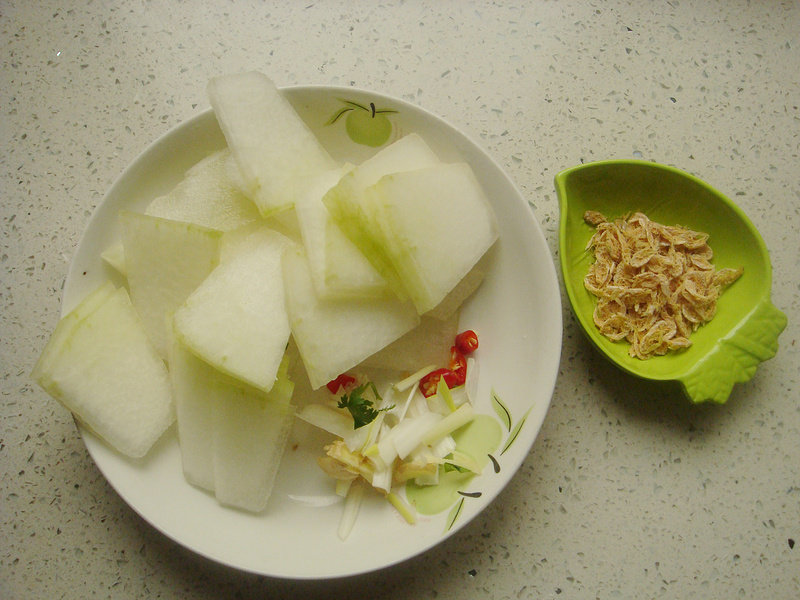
{"x": 362, "y": 409}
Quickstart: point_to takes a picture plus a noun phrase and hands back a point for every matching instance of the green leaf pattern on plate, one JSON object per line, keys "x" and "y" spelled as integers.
{"x": 507, "y": 422}
{"x": 501, "y": 410}
{"x": 512, "y": 436}
{"x": 454, "y": 512}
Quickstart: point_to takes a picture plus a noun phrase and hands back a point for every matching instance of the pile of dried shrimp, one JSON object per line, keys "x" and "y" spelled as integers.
{"x": 655, "y": 283}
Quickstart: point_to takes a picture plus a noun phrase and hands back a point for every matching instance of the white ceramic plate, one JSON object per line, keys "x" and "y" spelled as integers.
{"x": 517, "y": 312}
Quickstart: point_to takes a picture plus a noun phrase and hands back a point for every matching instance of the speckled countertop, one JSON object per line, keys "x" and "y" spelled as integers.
{"x": 628, "y": 491}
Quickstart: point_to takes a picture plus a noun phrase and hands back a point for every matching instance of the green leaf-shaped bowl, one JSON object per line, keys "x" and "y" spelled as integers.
{"x": 746, "y": 327}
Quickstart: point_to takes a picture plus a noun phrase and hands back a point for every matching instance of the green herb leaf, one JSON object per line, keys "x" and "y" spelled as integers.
{"x": 362, "y": 409}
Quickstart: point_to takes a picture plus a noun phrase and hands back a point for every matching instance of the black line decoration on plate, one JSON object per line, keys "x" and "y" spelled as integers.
{"x": 506, "y": 418}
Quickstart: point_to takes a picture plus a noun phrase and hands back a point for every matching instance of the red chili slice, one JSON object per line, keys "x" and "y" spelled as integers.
{"x": 342, "y": 381}
{"x": 455, "y": 378}
{"x": 454, "y": 375}
{"x": 458, "y": 365}
{"x": 467, "y": 341}
{"x": 428, "y": 384}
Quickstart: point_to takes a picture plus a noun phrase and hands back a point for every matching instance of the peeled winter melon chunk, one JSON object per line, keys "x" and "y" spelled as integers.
{"x": 207, "y": 196}
{"x": 251, "y": 430}
{"x": 333, "y": 336}
{"x": 347, "y": 272}
{"x": 231, "y": 435}
{"x": 165, "y": 261}
{"x": 114, "y": 257}
{"x": 427, "y": 344}
{"x": 194, "y": 390}
{"x": 452, "y": 302}
{"x": 274, "y": 149}
{"x": 64, "y": 330}
{"x": 338, "y": 268}
{"x": 101, "y": 365}
{"x": 434, "y": 225}
{"x": 236, "y": 319}
{"x": 345, "y": 200}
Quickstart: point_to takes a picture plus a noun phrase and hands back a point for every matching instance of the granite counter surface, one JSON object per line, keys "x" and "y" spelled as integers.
{"x": 628, "y": 492}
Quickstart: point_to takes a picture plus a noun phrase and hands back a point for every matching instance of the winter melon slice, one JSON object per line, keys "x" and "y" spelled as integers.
{"x": 236, "y": 319}
{"x": 427, "y": 344}
{"x": 60, "y": 337}
{"x": 104, "y": 369}
{"x": 207, "y": 196}
{"x": 338, "y": 268}
{"x": 232, "y": 436}
{"x": 251, "y": 430}
{"x": 165, "y": 261}
{"x": 333, "y": 336}
{"x": 277, "y": 154}
{"x": 195, "y": 394}
{"x": 434, "y": 225}
{"x": 345, "y": 201}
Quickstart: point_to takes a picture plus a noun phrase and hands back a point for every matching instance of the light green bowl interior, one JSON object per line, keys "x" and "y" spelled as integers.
{"x": 672, "y": 197}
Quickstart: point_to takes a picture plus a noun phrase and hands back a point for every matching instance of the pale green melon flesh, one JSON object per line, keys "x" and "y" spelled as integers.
{"x": 452, "y": 302}
{"x": 236, "y": 319}
{"x": 207, "y": 196}
{"x": 274, "y": 149}
{"x": 427, "y": 344}
{"x": 235, "y": 241}
{"x": 434, "y": 225}
{"x": 65, "y": 328}
{"x": 345, "y": 201}
{"x": 194, "y": 387}
{"x": 333, "y": 336}
{"x": 326, "y": 246}
{"x": 231, "y": 435}
{"x": 251, "y": 430}
{"x": 165, "y": 261}
{"x": 347, "y": 272}
{"x": 114, "y": 257}
{"x": 107, "y": 373}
